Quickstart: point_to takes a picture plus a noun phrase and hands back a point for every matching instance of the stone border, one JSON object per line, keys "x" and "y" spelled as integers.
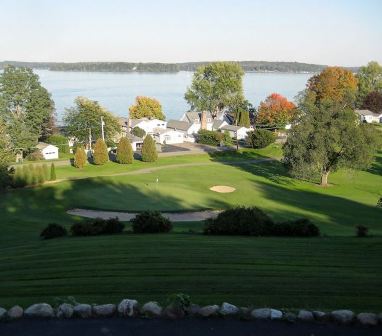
{"x": 131, "y": 308}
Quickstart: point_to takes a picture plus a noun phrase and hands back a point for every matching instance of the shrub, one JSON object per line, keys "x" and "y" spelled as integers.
{"x": 40, "y": 174}
{"x": 53, "y": 176}
{"x": 35, "y": 156}
{"x": 80, "y": 157}
{"x": 209, "y": 137}
{"x": 82, "y": 229}
{"x": 151, "y": 222}
{"x": 260, "y": 138}
{"x": 46, "y": 172}
{"x": 125, "y": 153}
{"x": 379, "y": 203}
{"x": 361, "y": 231}
{"x": 100, "y": 155}
{"x": 59, "y": 141}
{"x": 19, "y": 179}
{"x": 30, "y": 176}
{"x": 53, "y": 231}
{"x": 149, "y": 151}
{"x": 302, "y": 227}
{"x": 139, "y": 132}
{"x": 97, "y": 226}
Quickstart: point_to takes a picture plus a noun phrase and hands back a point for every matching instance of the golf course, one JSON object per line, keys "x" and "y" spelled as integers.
{"x": 333, "y": 271}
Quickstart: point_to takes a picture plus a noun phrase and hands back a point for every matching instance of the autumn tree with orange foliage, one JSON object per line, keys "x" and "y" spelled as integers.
{"x": 275, "y": 110}
{"x": 146, "y": 107}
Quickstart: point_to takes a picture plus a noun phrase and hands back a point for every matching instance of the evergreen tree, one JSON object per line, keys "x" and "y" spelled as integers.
{"x": 80, "y": 157}
{"x": 33, "y": 175}
{"x": 52, "y": 172}
{"x": 100, "y": 155}
{"x": 244, "y": 119}
{"x": 40, "y": 174}
{"x": 46, "y": 171}
{"x": 124, "y": 151}
{"x": 18, "y": 178}
{"x": 149, "y": 152}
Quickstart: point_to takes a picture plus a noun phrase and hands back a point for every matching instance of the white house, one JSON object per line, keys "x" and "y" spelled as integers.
{"x": 169, "y": 136}
{"x": 199, "y": 120}
{"x": 368, "y": 116}
{"x": 49, "y": 152}
{"x": 239, "y": 132}
{"x": 218, "y": 124}
{"x": 136, "y": 142}
{"x": 150, "y": 126}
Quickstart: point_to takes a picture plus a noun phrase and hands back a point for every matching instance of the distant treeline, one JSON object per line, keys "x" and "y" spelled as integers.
{"x": 259, "y": 66}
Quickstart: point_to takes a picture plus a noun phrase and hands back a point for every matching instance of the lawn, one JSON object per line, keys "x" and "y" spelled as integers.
{"x": 334, "y": 271}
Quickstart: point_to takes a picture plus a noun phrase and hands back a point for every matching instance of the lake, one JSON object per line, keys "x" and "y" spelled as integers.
{"x": 117, "y": 91}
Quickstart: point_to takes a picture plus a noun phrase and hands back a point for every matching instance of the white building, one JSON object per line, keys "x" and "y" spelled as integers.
{"x": 136, "y": 142}
{"x": 150, "y": 126}
{"x": 368, "y": 116}
{"x": 236, "y": 131}
{"x": 169, "y": 136}
{"x": 49, "y": 152}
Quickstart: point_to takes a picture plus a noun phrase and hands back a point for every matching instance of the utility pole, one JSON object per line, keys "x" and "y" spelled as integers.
{"x": 102, "y": 131}
{"x": 237, "y": 141}
{"x": 90, "y": 138}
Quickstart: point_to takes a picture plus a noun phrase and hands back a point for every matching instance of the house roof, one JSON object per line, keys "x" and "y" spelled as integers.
{"x": 178, "y": 125}
{"x": 133, "y": 138}
{"x": 232, "y": 128}
{"x": 217, "y": 123}
{"x": 368, "y": 113}
{"x": 43, "y": 145}
{"x": 192, "y": 116}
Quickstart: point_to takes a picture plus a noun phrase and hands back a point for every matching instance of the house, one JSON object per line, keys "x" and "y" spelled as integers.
{"x": 49, "y": 152}
{"x": 367, "y": 116}
{"x": 169, "y": 136}
{"x": 150, "y": 126}
{"x": 218, "y": 124}
{"x": 198, "y": 120}
{"x": 239, "y": 132}
{"x": 136, "y": 142}
{"x": 186, "y": 128}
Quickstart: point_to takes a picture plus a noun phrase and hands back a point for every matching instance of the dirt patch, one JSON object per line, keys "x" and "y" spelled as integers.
{"x": 223, "y": 189}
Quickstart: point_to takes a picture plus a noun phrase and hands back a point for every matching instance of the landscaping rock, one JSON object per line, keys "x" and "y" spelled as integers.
{"x": 3, "y": 313}
{"x": 228, "y": 309}
{"x": 193, "y": 309}
{"x": 290, "y": 317}
{"x": 128, "y": 307}
{"x": 276, "y": 314}
{"x": 15, "y": 312}
{"x": 39, "y": 310}
{"x": 342, "y": 316}
{"x": 208, "y": 311}
{"x": 65, "y": 310}
{"x": 320, "y": 316}
{"x": 367, "y": 319}
{"x": 267, "y": 313}
{"x": 83, "y": 310}
{"x": 305, "y": 315}
{"x": 173, "y": 312}
{"x": 105, "y": 310}
{"x": 152, "y": 309}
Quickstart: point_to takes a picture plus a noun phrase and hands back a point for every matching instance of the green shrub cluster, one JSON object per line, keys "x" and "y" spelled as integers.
{"x": 53, "y": 231}
{"x": 35, "y": 156}
{"x": 80, "y": 157}
{"x": 28, "y": 175}
{"x": 149, "y": 151}
{"x": 125, "y": 153}
{"x": 254, "y": 222}
{"x": 139, "y": 132}
{"x": 98, "y": 226}
{"x": 100, "y": 155}
{"x": 151, "y": 222}
{"x": 260, "y": 138}
{"x": 361, "y": 231}
{"x": 214, "y": 138}
{"x": 59, "y": 141}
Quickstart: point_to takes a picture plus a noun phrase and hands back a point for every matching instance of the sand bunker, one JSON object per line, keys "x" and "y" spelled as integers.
{"x": 222, "y": 189}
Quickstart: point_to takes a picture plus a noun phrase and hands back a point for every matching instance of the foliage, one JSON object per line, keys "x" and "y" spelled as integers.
{"x": 146, "y": 107}
{"x": 100, "y": 155}
{"x": 25, "y": 107}
{"x": 97, "y": 226}
{"x": 361, "y": 231}
{"x": 276, "y": 110}
{"x": 243, "y": 119}
{"x": 149, "y": 151}
{"x": 215, "y": 87}
{"x": 139, "y": 132}
{"x": 151, "y": 222}
{"x": 53, "y": 231}
{"x": 28, "y": 175}
{"x": 369, "y": 80}
{"x": 179, "y": 301}
{"x": 85, "y": 115}
{"x": 214, "y": 138}
{"x": 240, "y": 111}
{"x": 302, "y": 227}
{"x": 6, "y": 156}
{"x": 379, "y": 203}
{"x": 373, "y": 102}
{"x": 125, "y": 153}
{"x": 46, "y": 172}
{"x": 59, "y": 141}
{"x": 80, "y": 157}
{"x": 260, "y": 138}
{"x": 35, "y": 155}
{"x": 53, "y": 176}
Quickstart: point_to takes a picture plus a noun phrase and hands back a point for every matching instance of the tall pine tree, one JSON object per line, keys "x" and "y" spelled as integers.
{"x": 100, "y": 154}
{"x": 149, "y": 152}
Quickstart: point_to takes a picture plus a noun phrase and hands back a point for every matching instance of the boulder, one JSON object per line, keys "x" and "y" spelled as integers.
{"x": 128, "y": 307}
{"x": 39, "y": 310}
{"x": 367, "y": 319}
{"x": 152, "y": 309}
{"x": 3, "y": 313}
{"x": 173, "y": 313}
{"x": 15, "y": 312}
{"x": 65, "y": 310}
{"x": 276, "y": 314}
{"x": 82, "y": 310}
{"x": 342, "y": 316}
{"x": 267, "y": 313}
{"x": 290, "y": 317}
{"x": 208, "y": 311}
{"x": 319, "y": 315}
{"x": 227, "y": 309}
{"x": 105, "y": 310}
{"x": 305, "y": 315}
{"x": 193, "y": 309}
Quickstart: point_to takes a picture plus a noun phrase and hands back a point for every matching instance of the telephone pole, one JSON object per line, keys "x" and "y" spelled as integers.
{"x": 102, "y": 131}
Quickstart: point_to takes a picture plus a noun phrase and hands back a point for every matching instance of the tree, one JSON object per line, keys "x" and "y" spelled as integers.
{"x": 369, "y": 80}
{"x": 326, "y": 137}
{"x": 53, "y": 176}
{"x": 60, "y": 141}
{"x": 146, "y": 107}
{"x": 25, "y": 106}
{"x": 373, "y": 102}
{"x": 125, "y": 153}
{"x": 260, "y": 138}
{"x": 276, "y": 110}
{"x": 216, "y": 87}
{"x": 100, "y": 155}
{"x": 46, "y": 172}
{"x": 6, "y": 155}
{"x": 149, "y": 152}
{"x": 86, "y": 115}
{"x": 80, "y": 157}
{"x": 139, "y": 132}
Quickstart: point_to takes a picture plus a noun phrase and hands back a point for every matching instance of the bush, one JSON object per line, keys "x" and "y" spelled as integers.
{"x": 97, "y": 226}
{"x": 100, "y": 155}
{"x": 19, "y": 178}
{"x": 46, "y": 172}
{"x": 361, "y": 231}
{"x": 151, "y": 222}
{"x": 35, "y": 156}
{"x": 209, "y": 137}
{"x": 149, "y": 151}
{"x": 379, "y": 203}
{"x": 139, "y": 132}
{"x": 53, "y": 231}
{"x": 53, "y": 176}
{"x": 260, "y": 138}
{"x": 302, "y": 227}
{"x": 80, "y": 157}
{"x": 125, "y": 153}
{"x": 59, "y": 141}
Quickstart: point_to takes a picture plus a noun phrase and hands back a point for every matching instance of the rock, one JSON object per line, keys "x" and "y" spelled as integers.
{"x": 305, "y": 315}
{"x": 3, "y": 313}
{"x": 15, "y": 312}
{"x": 227, "y": 309}
{"x": 207, "y": 311}
{"x": 83, "y": 310}
{"x": 173, "y": 313}
{"x": 276, "y": 314}
{"x": 267, "y": 313}
{"x": 105, "y": 310}
{"x": 152, "y": 309}
{"x": 193, "y": 309}
{"x": 128, "y": 307}
{"x": 39, "y": 310}
{"x": 319, "y": 315}
{"x": 380, "y": 318}
{"x": 342, "y": 316}
{"x": 65, "y": 310}
{"x": 367, "y": 319}
{"x": 290, "y": 317}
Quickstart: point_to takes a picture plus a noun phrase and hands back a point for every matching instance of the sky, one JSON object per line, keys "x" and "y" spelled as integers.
{"x": 332, "y": 32}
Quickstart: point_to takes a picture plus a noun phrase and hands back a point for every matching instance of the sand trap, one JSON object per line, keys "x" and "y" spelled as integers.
{"x": 223, "y": 189}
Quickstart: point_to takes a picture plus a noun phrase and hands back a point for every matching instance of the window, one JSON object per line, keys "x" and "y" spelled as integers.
{"x": 167, "y": 138}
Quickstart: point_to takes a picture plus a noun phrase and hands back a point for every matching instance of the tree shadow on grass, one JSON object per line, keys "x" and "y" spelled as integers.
{"x": 376, "y": 167}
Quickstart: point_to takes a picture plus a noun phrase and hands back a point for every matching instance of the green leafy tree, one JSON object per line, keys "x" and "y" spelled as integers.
{"x": 146, "y": 107}
{"x": 149, "y": 152}
{"x": 369, "y": 80}
{"x": 86, "y": 115}
{"x": 80, "y": 157}
{"x": 25, "y": 106}
{"x": 125, "y": 153}
{"x": 100, "y": 155}
{"x": 59, "y": 141}
{"x": 53, "y": 176}
{"x": 244, "y": 119}
{"x": 260, "y": 138}
{"x": 215, "y": 87}
{"x": 6, "y": 156}
{"x": 139, "y": 132}
{"x": 373, "y": 102}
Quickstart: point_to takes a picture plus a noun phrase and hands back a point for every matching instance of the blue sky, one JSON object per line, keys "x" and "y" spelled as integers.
{"x": 334, "y": 32}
